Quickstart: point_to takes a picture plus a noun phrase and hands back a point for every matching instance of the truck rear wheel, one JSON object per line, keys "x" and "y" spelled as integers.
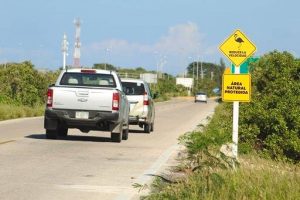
{"x": 63, "y": 132}
{"x": 116, "y": 137}
{"x": 125, "y": 134}
{"x": 116, "y": 132}
{"x": 51, "y": 134}
{"x": 152, "y": 127}
{"x": 147, "y": 128}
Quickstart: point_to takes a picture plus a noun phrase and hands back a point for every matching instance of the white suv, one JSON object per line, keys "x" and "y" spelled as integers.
{"x": 142, "y": 111}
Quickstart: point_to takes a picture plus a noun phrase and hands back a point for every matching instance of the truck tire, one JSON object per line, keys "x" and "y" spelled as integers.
{"x": 116, "y": 132}
{"x": 51, "y": 134}
{"x": 63, "y": 132}
{"x": 152, "y": 127}
{"x": 125, "y": 134}
{"x": 116, "y": 137}
{"x": 147, "y": 128}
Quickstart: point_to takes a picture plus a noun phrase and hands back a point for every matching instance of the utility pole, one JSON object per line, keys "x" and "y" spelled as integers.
{"x": 164, "y": 61}
{"x": 201, "y": 71}
{"x": 77, "y": 43}
{"x": 193, "y": 70}
{"x": 106, "y": 57}
{"x": 198, "y": 68}
{"x": 64, "y": 49}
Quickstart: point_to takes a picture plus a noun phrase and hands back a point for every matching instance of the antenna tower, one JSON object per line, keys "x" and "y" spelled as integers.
{"x": 77, "y": 43}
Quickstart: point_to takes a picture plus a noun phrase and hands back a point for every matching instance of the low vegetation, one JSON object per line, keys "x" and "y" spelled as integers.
{"x": 209, "y": 174}
{"x": 8, "y": 111}
{"x": 23, "y": 89}
{"x": 269, "y": 143}
{"x": 166, "y": 88}
{"x": 254, "y": 179}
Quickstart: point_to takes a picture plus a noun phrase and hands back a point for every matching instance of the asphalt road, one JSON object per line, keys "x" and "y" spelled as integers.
{"x": 89, "y": 166}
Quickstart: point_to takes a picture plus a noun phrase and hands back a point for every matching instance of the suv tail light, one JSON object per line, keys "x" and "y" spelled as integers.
{"x": 49, "y": 98}
{"x": 116, "y": 101}
{"x": 146, "y": 100}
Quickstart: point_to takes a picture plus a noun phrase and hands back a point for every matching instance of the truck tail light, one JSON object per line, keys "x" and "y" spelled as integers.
{"x": 116, "y": 101}
{"x": 49, "y": 98}
{"x": 146, "y": 100}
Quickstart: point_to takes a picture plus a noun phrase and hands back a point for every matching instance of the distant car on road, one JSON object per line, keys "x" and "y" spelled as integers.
{"x": 142, "y": 110}
{"x": 201, "y": 97}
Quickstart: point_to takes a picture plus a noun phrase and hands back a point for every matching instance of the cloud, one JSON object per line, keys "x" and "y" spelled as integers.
{"x": 173, "y": 50}
{"x": 117, "y": 44}
{"x": 182, "y": 38}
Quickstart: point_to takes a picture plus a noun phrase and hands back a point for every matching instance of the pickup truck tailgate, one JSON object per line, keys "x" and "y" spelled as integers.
{"x": 83, "y": 99}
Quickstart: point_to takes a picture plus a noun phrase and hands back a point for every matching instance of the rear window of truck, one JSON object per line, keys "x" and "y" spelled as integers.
{"x": 131, "y": 88}
{"x": 88, "y": 79}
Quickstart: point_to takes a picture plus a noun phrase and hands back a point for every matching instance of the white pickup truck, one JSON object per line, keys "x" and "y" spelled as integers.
{"x": 87, "y": 99}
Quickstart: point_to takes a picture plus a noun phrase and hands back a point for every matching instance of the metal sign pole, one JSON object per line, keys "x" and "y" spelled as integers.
{"x": 235, "y": 125}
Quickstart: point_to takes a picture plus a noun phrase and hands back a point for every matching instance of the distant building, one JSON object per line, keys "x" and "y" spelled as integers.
{"x": 186, "y": 82}
{"x": 149, "y": 78}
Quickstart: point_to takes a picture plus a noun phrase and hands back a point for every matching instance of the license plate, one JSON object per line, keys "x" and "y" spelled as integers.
{"x": 82, "y": 115}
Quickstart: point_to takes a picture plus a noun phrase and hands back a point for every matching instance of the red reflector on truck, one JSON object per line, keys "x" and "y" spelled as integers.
{"x": 49, "y": 98}
{"x": 116, "y": 101}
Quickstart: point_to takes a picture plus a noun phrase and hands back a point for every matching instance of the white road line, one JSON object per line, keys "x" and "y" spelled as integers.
{"x": 7, "y": 141}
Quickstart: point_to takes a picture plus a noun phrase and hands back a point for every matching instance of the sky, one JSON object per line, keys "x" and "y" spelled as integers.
{"x": 164, "y": 35}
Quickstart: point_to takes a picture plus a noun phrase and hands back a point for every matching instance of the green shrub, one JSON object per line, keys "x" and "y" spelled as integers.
{"x": 271, "y": 122}
{"x": 24, "y": 85}
{"x": 217, "y": 132}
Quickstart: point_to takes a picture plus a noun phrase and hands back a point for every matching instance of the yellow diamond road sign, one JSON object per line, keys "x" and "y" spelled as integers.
{"x": 237, "y": 48}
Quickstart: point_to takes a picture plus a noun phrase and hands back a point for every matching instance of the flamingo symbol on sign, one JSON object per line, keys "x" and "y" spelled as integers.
{"x": 239, "y": 40}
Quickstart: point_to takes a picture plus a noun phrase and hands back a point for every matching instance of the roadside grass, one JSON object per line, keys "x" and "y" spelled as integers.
{"x": 209, "y": 174}
{"x": 8, "y": 111}
{"x": 255, "y": 179}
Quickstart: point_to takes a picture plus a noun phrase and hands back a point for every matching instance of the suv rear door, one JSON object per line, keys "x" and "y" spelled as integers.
{"x": 135, "y": 94}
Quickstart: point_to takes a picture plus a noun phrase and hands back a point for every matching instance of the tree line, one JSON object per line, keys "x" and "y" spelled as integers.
{"x": 22, "y": 84}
